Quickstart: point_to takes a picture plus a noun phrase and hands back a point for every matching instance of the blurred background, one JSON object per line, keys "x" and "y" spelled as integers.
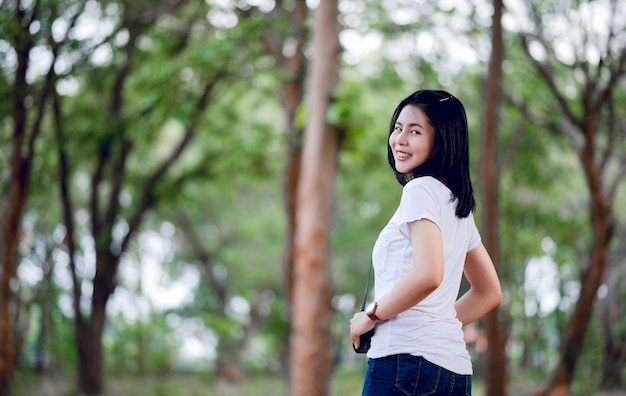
{"x": 191, "y": 189}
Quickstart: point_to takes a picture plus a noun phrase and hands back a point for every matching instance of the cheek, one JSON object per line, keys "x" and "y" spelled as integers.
{"x": 431, "y": 146}
{"x": 432, "y": 151}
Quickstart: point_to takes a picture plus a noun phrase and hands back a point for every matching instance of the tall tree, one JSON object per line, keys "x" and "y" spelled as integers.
{"x": 132, "y": 122}
{"x": 109, "y": 173}
{"x": 287, "y": 48}
{"x": 310, "y": 344}
{"x": 24, "y": 26}
{"x": 495, "y": 353}
{"x": 584, "y": 87}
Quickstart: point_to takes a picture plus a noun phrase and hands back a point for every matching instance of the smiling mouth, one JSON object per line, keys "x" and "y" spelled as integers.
{"x": 402, "y": 156}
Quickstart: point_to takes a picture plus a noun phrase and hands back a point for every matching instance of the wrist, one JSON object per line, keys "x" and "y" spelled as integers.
{"x": 371, "y": 312}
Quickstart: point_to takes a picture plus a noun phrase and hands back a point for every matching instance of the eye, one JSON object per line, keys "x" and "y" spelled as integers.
{"x": 416, "y": 132}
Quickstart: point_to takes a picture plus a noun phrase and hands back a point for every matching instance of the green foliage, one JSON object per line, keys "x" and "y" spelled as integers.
{"x": 62, "y": 343}
{"x": 229, "y": 182}
{"x": 143, "y": 346}
{"x": 588, "y": 376}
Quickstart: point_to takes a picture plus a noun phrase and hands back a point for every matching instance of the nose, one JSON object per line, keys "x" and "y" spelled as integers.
{"x": 401, "y": 138}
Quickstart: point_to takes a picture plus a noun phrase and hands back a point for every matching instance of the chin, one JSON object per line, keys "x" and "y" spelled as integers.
{"x": 405, "y": 169}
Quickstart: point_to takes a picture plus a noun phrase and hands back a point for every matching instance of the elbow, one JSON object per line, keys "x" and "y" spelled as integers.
{"x": 424, "y": 284}
{"x": 432, "y": 282}
{"x": 426, "y": 280}
{"x": 496, "y": 297}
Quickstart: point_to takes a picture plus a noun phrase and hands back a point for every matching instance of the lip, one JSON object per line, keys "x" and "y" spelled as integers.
{"x": 403, "y": 155}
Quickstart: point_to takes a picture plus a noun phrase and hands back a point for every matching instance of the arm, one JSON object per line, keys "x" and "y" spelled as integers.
{"x": 485, "y": 292}
{"x": 425, "y": 275}
{"x": 423, "y": 278}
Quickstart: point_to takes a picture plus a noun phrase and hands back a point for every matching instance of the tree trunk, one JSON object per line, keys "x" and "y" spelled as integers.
{"x": 294, "y": 157}
{"x": 13, "y": 207}
{"x": 495, "y": 357}
{"x": 89, "y": 332}
{"x": 11, "y": 221}
{"x": 595, "y": 136}
{"x": 613, "y": 314}
{"x": 571, "y": 346}
{"x": 310, "y": 342}
{"x": 91, "y": 359}
{"x": 45, "y": 299}
{"x": 291, "y": 93}
{"x": 110, "y": 170}
{"x": 593, "y": 275}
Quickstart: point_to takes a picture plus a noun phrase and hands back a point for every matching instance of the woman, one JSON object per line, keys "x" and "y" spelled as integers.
{"x": 420, "y": 256}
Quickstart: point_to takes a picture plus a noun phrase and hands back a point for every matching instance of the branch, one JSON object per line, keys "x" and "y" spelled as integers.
{"x": 49, "y": 81}
{"x": 611, "y": 36}
{"x": 605, "y": 98}
{"x": 273, "y": 42}
{"x": 612, "y": 132}
{"x": 136, "y": 25}
{"x": 122, "y": 74}
{"x": 617, "y": 71}
{"x": 67, "y": 208}
{"x": 563, "y": 128}
{"x": 149, "y": 195}
{"x": 621, "y": 168}
{"x": 96, "y": 179}
{"x": 203, "y": 254}
{"x": 117, "y": 176}
{"x": 115, "y": 111}
{"x": 22, "y": 42}
{"x": 545, "y": 70}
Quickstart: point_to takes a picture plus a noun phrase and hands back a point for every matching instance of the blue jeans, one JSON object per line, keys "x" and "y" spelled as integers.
{"x": 414, "y": 376}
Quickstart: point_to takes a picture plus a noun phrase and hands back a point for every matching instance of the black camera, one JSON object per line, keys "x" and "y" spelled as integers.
{"x": 365, "y": 340}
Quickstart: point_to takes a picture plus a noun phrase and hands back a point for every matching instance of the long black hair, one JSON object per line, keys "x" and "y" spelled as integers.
{"x": 449, "y": 162}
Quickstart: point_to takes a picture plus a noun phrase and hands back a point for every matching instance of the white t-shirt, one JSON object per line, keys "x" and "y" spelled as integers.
{"x": 430, "y": 328}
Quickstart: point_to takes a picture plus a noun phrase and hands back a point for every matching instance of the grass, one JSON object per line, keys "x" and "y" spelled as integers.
{"x": 345, "y": 382}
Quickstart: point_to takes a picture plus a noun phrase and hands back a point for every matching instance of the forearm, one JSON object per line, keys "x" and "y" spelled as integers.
{"x": 425, "y": 275}
{"x": 473, "y": 305}
{"x": 485, "y": 292}
{"x": 412, "y": 289}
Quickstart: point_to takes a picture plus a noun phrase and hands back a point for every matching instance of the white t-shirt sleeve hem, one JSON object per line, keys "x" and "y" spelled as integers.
{"x": 418, "y": 202}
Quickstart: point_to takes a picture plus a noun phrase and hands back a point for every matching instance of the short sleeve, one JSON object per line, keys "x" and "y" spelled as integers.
{"x": 474, "y": 235}
{"x": 418, "y": 202}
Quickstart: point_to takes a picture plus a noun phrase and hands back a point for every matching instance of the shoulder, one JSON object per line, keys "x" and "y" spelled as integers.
{"x": 429, "y": 191}
{"x": 424, "y": 191}
{"x": 426, "y": 183}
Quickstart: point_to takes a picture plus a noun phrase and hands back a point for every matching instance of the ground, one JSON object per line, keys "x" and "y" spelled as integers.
{"x": 199, "y": 384}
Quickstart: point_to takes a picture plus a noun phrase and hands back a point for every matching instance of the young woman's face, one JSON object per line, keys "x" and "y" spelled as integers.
{"x": 412, "y": 139}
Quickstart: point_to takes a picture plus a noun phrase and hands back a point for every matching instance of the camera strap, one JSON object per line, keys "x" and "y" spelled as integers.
{"x": 367, "y": 287}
